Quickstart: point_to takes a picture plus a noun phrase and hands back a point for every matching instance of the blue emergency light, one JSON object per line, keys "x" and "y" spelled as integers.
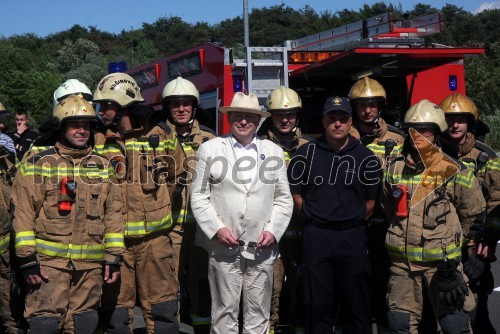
{"x": 452, "y": 82}
{"x": 237, "y": 83}
{"x": 117, "y": 66}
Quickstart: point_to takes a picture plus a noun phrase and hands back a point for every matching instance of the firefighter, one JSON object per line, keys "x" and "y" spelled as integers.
{"x": 368, "y": 98}
{"x": 285, "y": 106}
{"x": 148, "y": 160}
{"x": 11, "y": 300}
{"x": 68, "y": 226}
{"x": 461, "y": 115}
{"x": 180, "y": 102}
{"x": 434, "y": 205}
{"x": 48, "y": 130}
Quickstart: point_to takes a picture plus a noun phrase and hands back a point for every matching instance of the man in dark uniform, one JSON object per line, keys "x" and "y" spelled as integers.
{"x": 334, "y": 183}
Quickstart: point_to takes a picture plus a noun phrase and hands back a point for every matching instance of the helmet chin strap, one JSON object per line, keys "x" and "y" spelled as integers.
{"x": 117, "y": 118}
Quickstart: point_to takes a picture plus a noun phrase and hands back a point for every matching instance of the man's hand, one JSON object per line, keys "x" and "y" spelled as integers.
{"x": 485, "y": 252}
{"x": 226, "y": 237}
{"x": 21, "y": 127}
{"x": 111, "y": 273}
{"x": 35, "y": 275}
{"x": 266, "y": 239}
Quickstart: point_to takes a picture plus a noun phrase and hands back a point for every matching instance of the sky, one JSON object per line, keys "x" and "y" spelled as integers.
{"x": 51, "y": 16}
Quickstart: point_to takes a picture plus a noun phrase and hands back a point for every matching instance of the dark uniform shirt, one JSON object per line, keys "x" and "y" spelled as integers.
{"x": 23, "y": 141}
{"x": 334, "y": 185}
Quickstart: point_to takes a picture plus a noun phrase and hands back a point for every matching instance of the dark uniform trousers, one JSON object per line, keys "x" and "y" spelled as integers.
{"x": 336, "y": 258}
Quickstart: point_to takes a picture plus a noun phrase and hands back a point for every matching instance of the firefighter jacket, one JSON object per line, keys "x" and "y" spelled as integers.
{"x": 378, "y": 144}
{"x": 377, "y": 141}
{"x": 6, "y": 169}
{"x": 148, "y": 161}
{"x": 444, "y": 199}
{"x": 181, "y": 211}
{"x": 487, "y": 170}
{"x": 298, "y": 140}
{"x": 85, "y": 233}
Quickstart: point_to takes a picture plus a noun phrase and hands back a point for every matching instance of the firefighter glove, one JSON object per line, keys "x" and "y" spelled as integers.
{"x": 113, "y": 268}
{"x": 450, "y": 284}
{"x": 473, "y": 267}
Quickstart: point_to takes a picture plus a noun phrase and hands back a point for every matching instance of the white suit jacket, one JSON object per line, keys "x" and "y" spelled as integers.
{"x": 219, "y": 200}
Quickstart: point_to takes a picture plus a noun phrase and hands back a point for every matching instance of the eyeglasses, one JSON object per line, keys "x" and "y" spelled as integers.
{"x": 242, "y": 243}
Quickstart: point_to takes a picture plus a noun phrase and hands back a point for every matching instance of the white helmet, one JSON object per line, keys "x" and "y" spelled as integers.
{"x": 71, "y": 87}
{"x": 180, "y": 88}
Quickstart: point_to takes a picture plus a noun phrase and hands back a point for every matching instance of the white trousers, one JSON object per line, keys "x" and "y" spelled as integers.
{"x": 235, "y": 278}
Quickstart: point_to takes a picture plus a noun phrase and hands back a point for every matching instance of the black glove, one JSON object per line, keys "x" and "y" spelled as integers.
{"x": 473, "y": 267}
{"x": 450, "y": 284}
{"x": 33, "y": 270}
{"x": 113, "y": 268}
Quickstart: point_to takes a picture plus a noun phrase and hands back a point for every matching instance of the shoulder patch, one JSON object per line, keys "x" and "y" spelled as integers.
{"x": 396, "y": 130}
{"x": 485, "y": 148}
{"x": 42, "y": 154}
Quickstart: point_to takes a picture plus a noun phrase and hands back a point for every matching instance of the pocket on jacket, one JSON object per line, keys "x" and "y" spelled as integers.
{"x": 95, "y": 200}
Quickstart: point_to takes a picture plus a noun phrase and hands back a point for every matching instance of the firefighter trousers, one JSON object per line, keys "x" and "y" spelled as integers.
{"x": 148, "y": 272}
{"x": 67, "y": 302}
{"x": 192, "y": 268}
{"x": 406, "y": 292}
{"x": 11, "y": 298}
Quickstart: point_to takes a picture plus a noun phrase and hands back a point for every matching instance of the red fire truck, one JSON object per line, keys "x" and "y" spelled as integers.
{"x": 391, "y": 51}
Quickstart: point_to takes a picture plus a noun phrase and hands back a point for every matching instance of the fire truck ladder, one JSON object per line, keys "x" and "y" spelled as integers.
{"x": 377, "y": 31}
{"x": 266, "y": 68}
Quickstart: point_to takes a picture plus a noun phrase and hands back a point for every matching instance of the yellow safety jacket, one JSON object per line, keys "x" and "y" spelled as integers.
{"x": 441, "y": 208}
{"x": 487, "y": 171}
{"x": 83, "y": 236}
{"x": 181, "y": 210}
{"x": 148, "y": 161}
{"x": 376, "y": 142}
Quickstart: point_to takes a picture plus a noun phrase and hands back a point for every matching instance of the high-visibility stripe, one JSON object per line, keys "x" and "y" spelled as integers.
{"x": 62, "y": 171}
{"x": 4, "y": 243}
{"x": 187, "y": 147}
{"x": 106, "y": 149}
{"x": 467, "y": 179}
{"x": 137, "y": 228}
{"x": 114, "y": 240}
{"x": 493, "y": 164}
{"x": 419, "y": 254}
{"x": 183, "y": 216}
{"x": 69, "y": 251}
{"x": 379, "y": 150}
{"x": 25, "y": 238}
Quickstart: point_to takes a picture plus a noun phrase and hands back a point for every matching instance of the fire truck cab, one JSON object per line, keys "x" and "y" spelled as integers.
{"x": 390, "y": 51}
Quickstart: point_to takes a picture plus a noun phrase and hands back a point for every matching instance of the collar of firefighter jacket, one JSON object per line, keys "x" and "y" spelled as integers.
{"x": 294, "y": 143}
{"x": 468, "y": 145}
{"x": 379, "y": 131}
{"x": 72, "y": 152}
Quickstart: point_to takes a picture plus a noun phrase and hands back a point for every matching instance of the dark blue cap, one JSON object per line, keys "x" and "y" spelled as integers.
{"x": 337, "y": 103}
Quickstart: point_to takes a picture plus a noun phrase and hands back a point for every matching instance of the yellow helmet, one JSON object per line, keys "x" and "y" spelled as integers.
{"x": 119, "y": 88}
{"x": 283, "y": 99}
{"x": 180, "y": 88}
{"x": 425, "y": 113}
{"x": 74, "y": 107}
{"x": 457, "y": 103}
{"x": 367, "y": 89}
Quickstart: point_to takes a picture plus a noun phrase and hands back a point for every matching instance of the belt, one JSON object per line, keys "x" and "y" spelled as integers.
{"x": 338, "y": 226}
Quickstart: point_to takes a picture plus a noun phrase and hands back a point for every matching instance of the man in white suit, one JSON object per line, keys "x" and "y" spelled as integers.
{"x": 241, "y": 201}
